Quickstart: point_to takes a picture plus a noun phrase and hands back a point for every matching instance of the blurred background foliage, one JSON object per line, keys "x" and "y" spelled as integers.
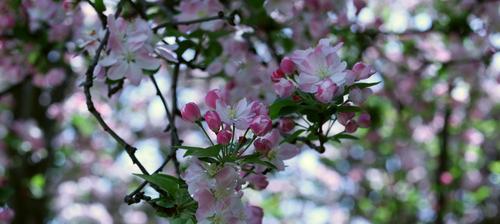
{"x": 431, "y": 156}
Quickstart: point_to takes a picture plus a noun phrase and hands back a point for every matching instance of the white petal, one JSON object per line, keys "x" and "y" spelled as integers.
{"x": 117, "y": 71}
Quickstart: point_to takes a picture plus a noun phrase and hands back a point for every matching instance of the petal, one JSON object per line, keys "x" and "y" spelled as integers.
{"x": 134, "y": 74}
{"x": 287, "y": 151}
{"x": 117, "y": 71}
{"x": 147, "y": 62}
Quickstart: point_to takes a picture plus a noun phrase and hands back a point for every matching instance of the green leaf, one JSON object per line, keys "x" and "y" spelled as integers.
{"x": 363, "y": 85}
{"x": 348, "y": 109}
{"x": 99, "y": 5}
{"x": 256, "y": 160}
{"x": 339, "y": 136}
{"x": 165, "y": 182}
{"x": 278, "y": 107}
{"x": 211, "y": 151}
{"x": 293, "y": 137}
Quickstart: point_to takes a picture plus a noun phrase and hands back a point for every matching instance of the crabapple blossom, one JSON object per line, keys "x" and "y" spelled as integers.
{"x": 364, "y": 120}
{"x": 224, "y": 137}
{"x": 326, "y": 91}
{"x": 190, "y": 112}
{"x": 238, "y": 115}
{"x": 129, "y": 54}
{"x": 261, "y": 125}
{"x": 318, "y": 64}
{"x": 212, "y": 97}
{"x": 277, "y": 75}
{"x": 351, "y": 126}
{"x": 287, "y": 66}
{"x": 358, "y": 96}
{"x": 197, "y": 9}
{"x": 284, "y": 88}
{"x": 262, "y": 145}
{"x": 286, "y": 125}
{"x": 213, "y": 121}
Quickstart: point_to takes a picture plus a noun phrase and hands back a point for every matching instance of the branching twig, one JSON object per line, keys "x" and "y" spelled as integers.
{"x": 89, "y": 82}
{"x": 175, "y": 137}
{"x": 220, "y": 15}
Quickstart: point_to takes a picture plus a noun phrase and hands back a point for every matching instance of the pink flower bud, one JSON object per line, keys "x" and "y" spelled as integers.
{"x": 224, "y": 137}
{"x": 212, "y": 97}
{"x": 258, "y": 181}
{"x": 359, "y": 96}
{"x": 364, "y": 120}
{"x": 284, "y": 88}
{"x": 359, "y": 5}
{"x": 286, "y": 125}
{"x": 262, "y": 145}
{"x": 213, "y": 120}
{"x": 446, "y": 178}
{"x": 326, "y": 90}
{"x": 351, "y": 126}
{"x": 258, "y": 108}
{"x": 362, "y": 71}
{"x": 344, "y": 117}
{"x": 261, "y": 125}
{"x": 287, "y": 65}
{"x": 190, "y": 112}
{"x": 277, "y": 75}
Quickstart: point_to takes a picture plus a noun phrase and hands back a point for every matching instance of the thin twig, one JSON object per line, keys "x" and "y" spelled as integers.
{"x": 175, "y": 137}
{"x": 220, "y": 15}
{"x": 89, "y": 82}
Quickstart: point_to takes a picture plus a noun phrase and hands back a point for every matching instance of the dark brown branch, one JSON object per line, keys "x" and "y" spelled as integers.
{"x": 89, "y": 82}
{"x": 220, "y": 15}
{"x": 174, "y": 136}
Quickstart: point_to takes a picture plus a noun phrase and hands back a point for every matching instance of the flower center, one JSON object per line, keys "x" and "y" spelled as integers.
{"x": 129, "y": 57}
{"x": 232, "y": 113}
{"x": 323, "y": 73}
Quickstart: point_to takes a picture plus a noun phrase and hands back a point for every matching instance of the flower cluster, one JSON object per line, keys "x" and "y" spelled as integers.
{"x": 321, "y": 72}
{"x": 130, "y": 51}
{"x": 247, "y": 147}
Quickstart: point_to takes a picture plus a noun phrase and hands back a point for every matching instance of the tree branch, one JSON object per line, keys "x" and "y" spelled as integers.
{"x": 89, "y": 82}
{"x": 220, "y": 15}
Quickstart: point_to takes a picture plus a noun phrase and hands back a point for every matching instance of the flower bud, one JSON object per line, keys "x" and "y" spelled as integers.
{"x": 258, "y": 108}
{"x": 212, "y": 97}
{"x": 326, "y": 90}
{"x": 224, "y": 137}
{"x": 359, "y": 96}
{"x": 190, "y": 112}
{"x": 364, "y": 120}
{"x": 261, "y": 125}
{"x": 344, "y": 117}
{"x": 213, "y": 120}
{"x": 362, "y": 71}
{"x": 277, "y": 75}
{"x": 258, "y": 181}
{"x": 351, "y": 126}
{"x": 286, "y": 125}
{"x": 284, "y": 88}
{"x": 262, "y": 145}
{"x": 287, "y": 65}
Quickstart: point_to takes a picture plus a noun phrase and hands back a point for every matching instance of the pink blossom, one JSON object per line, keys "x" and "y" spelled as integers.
{"x": 224, "y": 137}
{"x": 364, "y": 120}
{"x": 284, "y": 88}
{"x": 277, "y": 75}
{"x": 351, "y": 126}
{"x": 129, "y": 54}
{"x": 212, "y": 97}
{"x": 362, "y": 71}
{"x": 287, "y": 65}
{"x": 317, "y": 64}
{"x": 286, "y": 125}
{"x": 213, "y": 120}
{"x": 197, "y": 9}
{"x": 238, "y": 115}
{"x": 326, "y": 91}
{"x": 258, "y": 108}
{"x": 358, "y": 96}
{"x": 279, "y": 152}
{"x": 261, "y": 125}
{"x": 257, "y": 181}
{"x": 262, "y": 145}
{"x": 344, "y": 117}
{"x": 254, "y": 214}
{"x": 191, "y": 112}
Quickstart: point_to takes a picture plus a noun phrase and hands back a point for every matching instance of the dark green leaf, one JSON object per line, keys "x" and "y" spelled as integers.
{"x": 348, "y": 109}
{"x": 275, "y": 110}
{"x": 363, "y": 85}
{"x": 99, "y": 5}
{"x": 211, "y": 151}
{"x": 167, "y": 183}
